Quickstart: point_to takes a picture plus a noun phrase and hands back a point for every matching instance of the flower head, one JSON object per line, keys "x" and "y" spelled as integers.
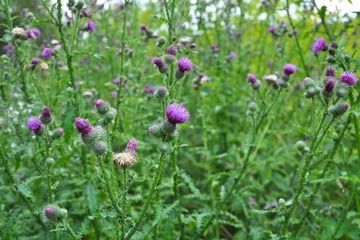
{"x": 348, "y": 78}
{"x": 46, "y": 116}
{"x": 330, "y": 71}
{"x": 34, "y": 124}
{"x": 319, "y": 45}
{"x": 251, "y": 78}
{"x": 132, "y": 145}
{"x": 328, "y": 89}
{"x": 185, "y": 64}
{"x": 47, "y": 53}
{"x": 177, "y": 113}
{"x": 91, "y": 26}
{"x": 35, "y": 61}
{"x": 171, "y": 50}
{"x": 83, "y": 126}
{"x": 289, "y": 69}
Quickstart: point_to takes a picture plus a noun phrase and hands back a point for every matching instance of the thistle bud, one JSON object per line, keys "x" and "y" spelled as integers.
{"x": 161, "y": 41}
{"x": 53, "y": 213}
{"x": 155, "y": 130}
{"x": 338, "y": 109}
{"x": 101, "y": 106}
{"x": 301, "y": 147}
{"x": 161, "y": 92}
{"x": 110, "y": 115}
{"x": 167, "y": 128}
{"x": 99, "y": 147}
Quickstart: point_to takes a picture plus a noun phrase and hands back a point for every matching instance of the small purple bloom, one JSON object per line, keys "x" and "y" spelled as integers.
{"x": 36, "y": 32}
{"x": 185, "y": 64}
{"x": 114, "y": 93}
{"x": 177, "y": 113}
{"x": 289, "y": 69}
{"x": 171, "y": 50}
{"x": 35, "y": 61}
{"x": 348, "y": 78}
{"x": 132, "y": 145}
{"x": 158, "y": 62}
{"x": 50, "y": 212}
{"x": 329, "y": 85}
{"x": 272, "y": 30}
{"x": 99, "y": 103}
{"x": 9, "y": 49}
{"x": 143, "y": 27}
{"x": 251, "y": 78}
{"x": 149, "y": 89}
{"x": 34, "y": 124}
{"x": 116, "y": 81}
{"x": 46, "y": 116}
{"x": 83, "y": 126}
{"x": 47, "y": 53}
{"x": 91, "y": 26}
{"x": 319, "y": 45}
{"x": 330, "y": 71}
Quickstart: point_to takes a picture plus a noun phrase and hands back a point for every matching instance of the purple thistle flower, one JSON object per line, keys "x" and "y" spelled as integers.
{"x": 143, "y": 27}
{"x": 177, "y": 113}
{"x": 116, "y": 81}
{"x": 330, "y": 71}
{"x": 99, "y": 103}
{"x": 35, "y": 61}
{"x": 185, "y": 64}
{"x": 91, "y": 26}
{"x": 272, "y": 30}
{"x": 9, "y": 49}
{"x": 319, "y": 45}
{"x": 47, "y": 53}
{"x": 289, "y": 69}
{"x": 51, "y": 212}
{"x": 348, "y": 78}
{"x": 171, "y": 50}
{"x": 34, "y": 124}
{"x": 35, "y": 32}
{"x": 83, "y": 126}
{"x": 46, "y": 117}
{"x": 158, "y": 62}
{"x": 328, "y": 90}
{"x": 251, "y": 78}
{"x": 150, "y": 89}
{"x": 132, "y": 145}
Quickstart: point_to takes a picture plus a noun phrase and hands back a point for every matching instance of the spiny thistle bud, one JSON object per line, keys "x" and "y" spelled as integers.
{"x": 161, "y": 92}
{"x": 99, "y": 147}
{"x": 301, "y": 147}
{"x": 168, "y": 128}
{"x": 179, "y": 74}
{"x": 338, "y": 109}
{"x": 58, "y": 133}
{"x": 53, "y": 213}
{"x": 328, "y": 90}
{"x": 101, "y": 106}
{"x": 342, "y": 90}
{"x": 161, "y": 41}
{"x": 169, "y": 59}
{"x": 79, "y": 5}
{"x": 83, "y": 126}
{"x": 252, "y": 106}
{"x": 308, "y": 82}
{"x": 96, "y": 133}
{"x": 49, "y": 161}
{"x": 46, "y": 116}
{"x": 330, "y": 71}
{"x": 160, "y": 64}
{"x": 164, "y": 147}
{"x": 124, "y": 159}
{"x": 312, "y": 92}
{"x": 155, "y": 130}
{"x": 110, "y": 114}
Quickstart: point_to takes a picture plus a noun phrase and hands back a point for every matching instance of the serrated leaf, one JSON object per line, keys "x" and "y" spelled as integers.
{"x": 68, "y": 123}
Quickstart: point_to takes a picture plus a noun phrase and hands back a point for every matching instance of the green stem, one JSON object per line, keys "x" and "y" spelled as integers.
{"x": 124, "y": 202}
{"x": 176, "y": 189}
{"x": 22, "y": 196}
{"x": 322, "y": 17}
{"x": 154, "y": 185}
{"x": 70, "y": 230}
{"x": 300, "y": 51}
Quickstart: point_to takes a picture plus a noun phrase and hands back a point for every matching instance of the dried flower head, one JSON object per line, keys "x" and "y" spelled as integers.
{"x": 124, "y": 159}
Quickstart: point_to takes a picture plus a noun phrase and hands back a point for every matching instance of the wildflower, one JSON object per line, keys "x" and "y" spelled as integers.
{"x": 231, "y": 56}
{"x": 9, "y": 49}
{"x": 160, "y": 64}
{"x": 289, "y": 69}
{"x": 330, "y": 71}
{"x": 33, "y": 33}
{"x": 35, "y": 61}
{"x": 348, "y": 78}
{"x": 58, "y": 133}
{"x": 177, "y": 113}
{"x": 185, "y": 64}
{"x": 99, "y": 147}
{"x": 83, "y": 126}
{"x": 47, "y": 53}
{"x": 171, "y": 50}
{"x": 46, "y": 116}
{"x": 44, "y": 66}
{"x": 161, "y": 41}
{"x": 255, "y": 84}
{"x": 54, "y": 213}
{"x": 132, "y": 145}
{"x": 272, "y": 30}
{"x": 91, "y": 26}
{"x": 328, "y": 90}
{"x": 101, "y": 106}
{"x": 149, "y": 89}
{"x": 155, "y": 130}
{"x": 319, "y": 45}
{"x": 34, "y": 124}
{"x": 301, "y": 147}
